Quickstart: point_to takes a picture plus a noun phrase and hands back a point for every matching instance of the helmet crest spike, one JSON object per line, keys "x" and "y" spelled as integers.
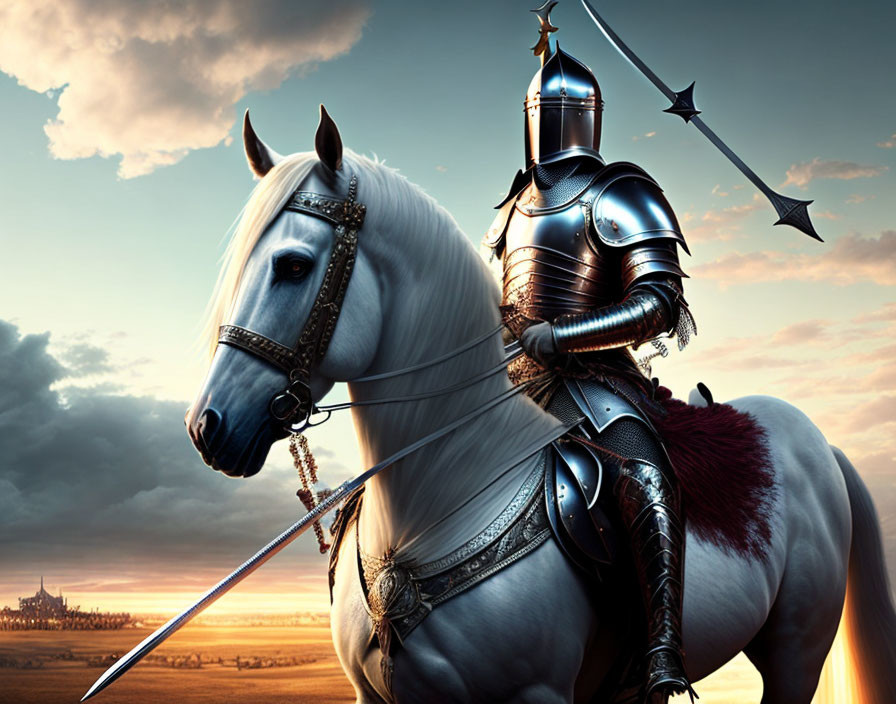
{"x": 563, "y": 104}
{"x": 543, "y": 47}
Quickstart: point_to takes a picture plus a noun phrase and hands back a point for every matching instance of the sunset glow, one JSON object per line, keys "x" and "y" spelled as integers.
{"x": 123, "y": 175}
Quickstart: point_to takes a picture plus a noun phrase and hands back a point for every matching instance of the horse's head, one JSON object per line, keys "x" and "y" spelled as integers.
{"x": 278, "y": 261}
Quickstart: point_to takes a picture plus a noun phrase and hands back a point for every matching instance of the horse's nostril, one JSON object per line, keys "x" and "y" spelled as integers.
{"x": 208, "y": 425}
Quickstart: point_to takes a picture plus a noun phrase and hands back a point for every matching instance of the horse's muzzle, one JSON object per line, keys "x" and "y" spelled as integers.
{"x": 203, "y": 430}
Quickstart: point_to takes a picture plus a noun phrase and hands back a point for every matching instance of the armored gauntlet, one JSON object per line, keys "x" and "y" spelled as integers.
{"x": 649, "y": 310}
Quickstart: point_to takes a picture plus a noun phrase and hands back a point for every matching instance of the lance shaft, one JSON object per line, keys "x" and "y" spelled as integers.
{"x": 791, "y": 211}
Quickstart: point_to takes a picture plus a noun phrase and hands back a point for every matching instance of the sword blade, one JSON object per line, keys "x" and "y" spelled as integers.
{"x": 790, "y": 211}
{"x": 212, "y": 595}
{"x": 281, "y": 541}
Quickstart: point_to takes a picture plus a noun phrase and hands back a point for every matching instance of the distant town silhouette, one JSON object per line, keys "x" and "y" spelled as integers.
{"x": 46, "y": 612}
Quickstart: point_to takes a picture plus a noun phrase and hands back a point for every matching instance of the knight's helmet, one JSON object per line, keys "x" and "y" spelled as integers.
{"x": 563, "y": 104}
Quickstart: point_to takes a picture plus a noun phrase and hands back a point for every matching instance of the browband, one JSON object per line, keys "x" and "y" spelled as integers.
{"x": 294, "y": 405}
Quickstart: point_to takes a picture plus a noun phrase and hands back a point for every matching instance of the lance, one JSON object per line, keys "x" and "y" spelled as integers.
{"x": 149, "y": 643}
{"x": 790, "y": 211}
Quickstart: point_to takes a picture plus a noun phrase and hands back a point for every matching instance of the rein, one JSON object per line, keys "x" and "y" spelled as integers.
{"x": 294, "y": 407}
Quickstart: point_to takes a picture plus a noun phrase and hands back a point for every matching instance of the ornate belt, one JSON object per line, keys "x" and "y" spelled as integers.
{"x": 399, "y": 596}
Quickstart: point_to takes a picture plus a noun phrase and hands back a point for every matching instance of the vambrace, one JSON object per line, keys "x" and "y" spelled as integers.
{"x": 650, "y": 309}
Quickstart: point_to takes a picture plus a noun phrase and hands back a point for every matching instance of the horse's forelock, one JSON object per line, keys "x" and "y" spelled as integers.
{"x": 262, "y": 207}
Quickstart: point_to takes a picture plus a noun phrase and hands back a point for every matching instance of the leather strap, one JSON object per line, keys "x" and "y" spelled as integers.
{"x": 294, "y": 405}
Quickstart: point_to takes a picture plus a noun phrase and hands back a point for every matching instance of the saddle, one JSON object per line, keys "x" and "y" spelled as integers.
{"x": 560, "y": 498}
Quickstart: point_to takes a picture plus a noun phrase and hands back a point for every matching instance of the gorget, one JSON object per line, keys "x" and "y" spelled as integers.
{"x": 400, "y": 595}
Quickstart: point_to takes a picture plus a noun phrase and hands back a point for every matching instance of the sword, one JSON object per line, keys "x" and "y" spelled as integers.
{"x": 149, "y": 643}
{"x": 790, "y": 211}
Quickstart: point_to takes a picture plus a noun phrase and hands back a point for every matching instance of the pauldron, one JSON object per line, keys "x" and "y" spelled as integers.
{"x": 593, "y": 250}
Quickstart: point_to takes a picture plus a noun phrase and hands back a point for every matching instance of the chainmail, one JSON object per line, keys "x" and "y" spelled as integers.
{"x": 629, "y": 438}
{"x": 561, "y": 181}
{"x": 625, "y": 436}
{"x": 563, "y": 407}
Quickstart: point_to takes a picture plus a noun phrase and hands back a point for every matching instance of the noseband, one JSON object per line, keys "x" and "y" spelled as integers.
{"x": 293, "y": 406}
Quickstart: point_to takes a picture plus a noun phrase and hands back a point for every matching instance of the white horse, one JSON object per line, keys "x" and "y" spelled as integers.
{"x": 536, "y": 631}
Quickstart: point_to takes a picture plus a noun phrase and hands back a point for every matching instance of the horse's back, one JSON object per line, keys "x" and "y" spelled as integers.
{"x": 791, "y": 597}
{"x": 810, "y": 504}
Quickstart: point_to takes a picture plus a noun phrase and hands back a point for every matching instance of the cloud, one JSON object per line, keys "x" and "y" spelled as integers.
{"x": 858, "y": 198}
{"x": 151, "y": 81}
{"x": 888, "y": 143}
{"x": 801, "y": 174}
{"x": 745, "y": 353}
{"x": 884, "y": 377}
{"x": 872, "y": 414}
{"x": 852, "y": 259}
{"x": 646, "y": 135}
{"x": 112, "y": 479}
{"x": 879, "y": 463}
{"x": 886, "y": 353}
{"x": 720, "y": 224}
{"x": 82, "y": 359}
{"x": 883, "y": 314}
{"x": 802, "y": 333}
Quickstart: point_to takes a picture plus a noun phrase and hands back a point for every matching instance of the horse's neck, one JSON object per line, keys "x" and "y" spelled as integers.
{"x": 442, "y": 495}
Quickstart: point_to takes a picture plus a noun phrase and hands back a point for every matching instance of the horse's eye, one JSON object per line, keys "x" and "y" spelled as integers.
{"x": 292, "y": 267}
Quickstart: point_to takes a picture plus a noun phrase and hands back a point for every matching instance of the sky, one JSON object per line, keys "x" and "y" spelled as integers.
{"x": 123, "y": 171}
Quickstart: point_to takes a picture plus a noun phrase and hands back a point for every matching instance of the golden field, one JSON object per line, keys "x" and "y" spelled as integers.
{"x": 61, "y": 681}
{"x": 59, "y": 678}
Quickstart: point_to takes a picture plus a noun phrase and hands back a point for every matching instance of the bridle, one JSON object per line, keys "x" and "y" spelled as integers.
{"x": 293, "y": 405}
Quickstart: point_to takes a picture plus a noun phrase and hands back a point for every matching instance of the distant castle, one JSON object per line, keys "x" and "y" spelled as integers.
{"x": 44, "y": 605}
{"x": 43, "y": 611}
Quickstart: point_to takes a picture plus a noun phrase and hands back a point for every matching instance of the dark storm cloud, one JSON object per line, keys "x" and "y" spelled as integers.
{"x": 83, "y": 358}
{"x": 113, "y": 477}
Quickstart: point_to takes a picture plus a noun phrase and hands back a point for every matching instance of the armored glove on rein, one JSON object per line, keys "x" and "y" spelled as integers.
{"x": 650, "y": 309}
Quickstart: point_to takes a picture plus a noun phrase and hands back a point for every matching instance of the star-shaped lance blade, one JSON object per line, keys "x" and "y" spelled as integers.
{"x": 795, "y": 213}
{"x": 790, "y": 211}
{"x": 683, "y": 105}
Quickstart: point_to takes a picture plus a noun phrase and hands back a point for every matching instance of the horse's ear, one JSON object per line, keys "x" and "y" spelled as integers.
{"x": 260, "y": 156}
{"x": 327, "y": 142}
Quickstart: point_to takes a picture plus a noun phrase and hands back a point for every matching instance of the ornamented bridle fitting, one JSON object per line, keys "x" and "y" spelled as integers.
{"x": 293, "y": 406}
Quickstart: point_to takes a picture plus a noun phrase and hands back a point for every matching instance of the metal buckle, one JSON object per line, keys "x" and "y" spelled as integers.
{"x": 294, "y": 401}
{"x": 303, "y": 425}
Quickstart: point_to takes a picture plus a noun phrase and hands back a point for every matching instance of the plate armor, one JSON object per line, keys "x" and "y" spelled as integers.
{"x": 581, "y": 236}
{"x": 587, "y": 255}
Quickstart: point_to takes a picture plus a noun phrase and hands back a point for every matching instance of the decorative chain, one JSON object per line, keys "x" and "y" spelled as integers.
{"x": 306, "y": 466}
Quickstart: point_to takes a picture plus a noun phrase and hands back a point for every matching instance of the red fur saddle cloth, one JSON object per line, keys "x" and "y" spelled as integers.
{"x": 722, "y": 461}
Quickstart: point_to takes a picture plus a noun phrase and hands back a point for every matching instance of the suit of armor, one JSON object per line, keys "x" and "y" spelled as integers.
{"x": 589, "y": 267}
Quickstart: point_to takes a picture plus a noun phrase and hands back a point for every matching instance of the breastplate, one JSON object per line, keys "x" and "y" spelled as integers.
{"x": 552, "y": 265}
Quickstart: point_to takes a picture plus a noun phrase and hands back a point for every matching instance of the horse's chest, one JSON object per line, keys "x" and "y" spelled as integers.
{"x": 510, "y": 635}
{"x": 400, "y": 596}
{"x": 391, "y": 637}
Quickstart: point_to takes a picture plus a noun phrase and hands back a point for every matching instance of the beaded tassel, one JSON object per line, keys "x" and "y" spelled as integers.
{"x": 306, "y": 466}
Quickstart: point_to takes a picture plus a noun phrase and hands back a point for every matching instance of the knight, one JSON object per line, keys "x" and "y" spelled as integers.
{"x": 587, "y": 253}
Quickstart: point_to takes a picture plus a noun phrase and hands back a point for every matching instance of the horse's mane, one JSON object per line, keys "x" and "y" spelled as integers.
{"x": 449, "y": 297}
{"x": 410, "y": 209}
